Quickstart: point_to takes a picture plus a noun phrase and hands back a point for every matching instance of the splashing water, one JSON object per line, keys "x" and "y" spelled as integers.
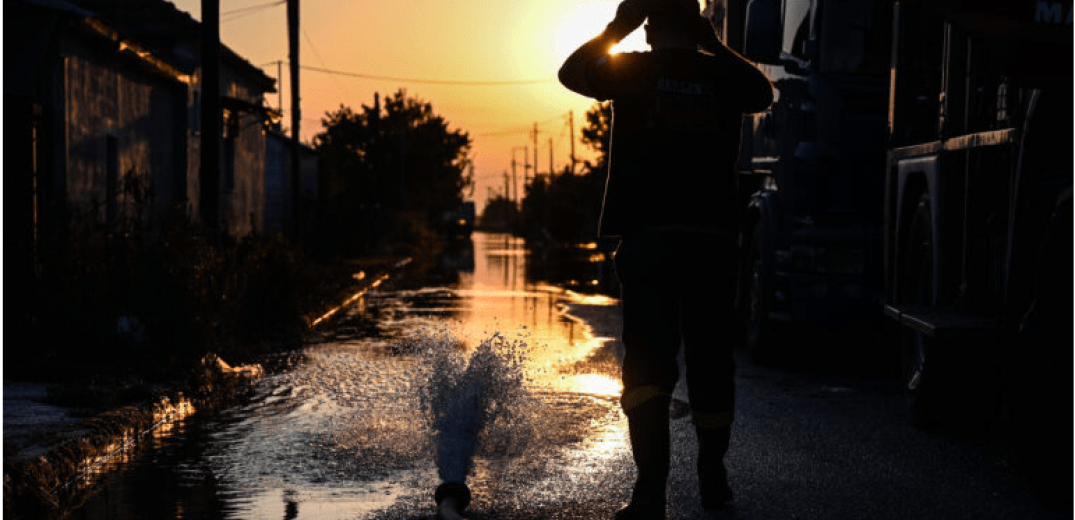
{"x": 474, "y": 403}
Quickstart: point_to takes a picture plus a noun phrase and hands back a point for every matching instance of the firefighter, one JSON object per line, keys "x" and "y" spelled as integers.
{"x": 670, "y": 199}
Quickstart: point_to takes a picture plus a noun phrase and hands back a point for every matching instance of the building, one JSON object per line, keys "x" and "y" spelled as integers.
{"x": 279, "y": 202}
{"x": 102, "y": 117}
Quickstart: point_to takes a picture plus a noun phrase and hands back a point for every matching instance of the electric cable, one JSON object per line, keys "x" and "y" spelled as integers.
{"x": 243, "y": 12}
{"x": 428, "y": 81}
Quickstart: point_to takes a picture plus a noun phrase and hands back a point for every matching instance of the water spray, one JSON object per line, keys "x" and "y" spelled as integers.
{"x": 471, "y": 401}
{"x": 452, "y": 499}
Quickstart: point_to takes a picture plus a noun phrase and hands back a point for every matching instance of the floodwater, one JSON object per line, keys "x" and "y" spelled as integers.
{"x": 360, "y": 425}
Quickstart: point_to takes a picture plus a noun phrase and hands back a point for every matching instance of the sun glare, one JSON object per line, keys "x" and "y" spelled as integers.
{"x": 587, "y": 20}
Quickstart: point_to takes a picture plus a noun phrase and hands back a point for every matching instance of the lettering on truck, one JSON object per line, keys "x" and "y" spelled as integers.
{"x": 1052, "y": 13}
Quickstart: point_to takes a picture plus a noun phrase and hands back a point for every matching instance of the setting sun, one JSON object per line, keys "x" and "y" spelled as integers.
{"x": 577, "y": 25}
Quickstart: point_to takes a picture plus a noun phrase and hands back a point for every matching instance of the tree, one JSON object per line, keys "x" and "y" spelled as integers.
{"x": 500, "y": 214}
{"x": 386, "y": 170}
{"x": 566, "y": 207}
{"x": 597, "y": 134}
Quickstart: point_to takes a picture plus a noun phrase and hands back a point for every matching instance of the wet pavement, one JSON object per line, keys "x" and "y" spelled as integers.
{"x": 345, "y": 431}
{"x": 26, "y": 415}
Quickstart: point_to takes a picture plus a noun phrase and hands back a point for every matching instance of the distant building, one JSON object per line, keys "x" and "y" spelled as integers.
{"x": 279, "y": 204}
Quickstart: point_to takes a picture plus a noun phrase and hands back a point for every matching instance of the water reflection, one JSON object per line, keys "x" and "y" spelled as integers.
{"x": 504, "y": 293}
{"x": 342, "y": 435}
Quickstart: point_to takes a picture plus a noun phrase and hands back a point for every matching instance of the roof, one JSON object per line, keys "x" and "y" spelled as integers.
{"x": 163, "y": 27}
{"x": 35, "y": 28}
{"x": 58, "y": 5}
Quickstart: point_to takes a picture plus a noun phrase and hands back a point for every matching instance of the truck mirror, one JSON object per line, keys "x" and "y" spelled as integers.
{"x": 762, "y": 40}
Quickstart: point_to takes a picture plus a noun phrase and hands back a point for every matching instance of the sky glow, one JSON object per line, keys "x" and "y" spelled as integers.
{"x": 448, "y": 46}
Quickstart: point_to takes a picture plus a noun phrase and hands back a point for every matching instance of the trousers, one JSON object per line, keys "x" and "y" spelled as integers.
{"x": 678, "y": 289}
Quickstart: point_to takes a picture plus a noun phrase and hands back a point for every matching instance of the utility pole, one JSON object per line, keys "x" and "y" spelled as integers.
{"x": 296, "y": 113}
{"x": 552, "y": 170}
{"x": 209, "y": 205}
{"x": 280, "y": 87}
{"x": 512, "y": 192}
{"x": 571, "y": 129}
{"x": 535, "y": 150}
{"x": 526, "y": 167}
{"x": 403, "y": 128}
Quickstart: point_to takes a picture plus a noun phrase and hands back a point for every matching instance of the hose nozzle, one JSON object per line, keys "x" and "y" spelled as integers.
{"x": 452, "y": 498}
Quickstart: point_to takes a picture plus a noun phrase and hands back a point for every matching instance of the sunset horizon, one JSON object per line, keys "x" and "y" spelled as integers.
{"x": 488, "y": 70}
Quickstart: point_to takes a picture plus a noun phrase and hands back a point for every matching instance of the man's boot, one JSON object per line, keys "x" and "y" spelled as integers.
{"x": 650, "y": 446}
{"x": 712, "y": 475}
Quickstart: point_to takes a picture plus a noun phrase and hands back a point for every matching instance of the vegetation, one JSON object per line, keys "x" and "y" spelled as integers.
{"x": 500, "y": 214}
{"x": 597, "y": 133}
{"x": 388, "y": 174}
{"x": 565, "y": 208}
{"x": 112, "y": 308}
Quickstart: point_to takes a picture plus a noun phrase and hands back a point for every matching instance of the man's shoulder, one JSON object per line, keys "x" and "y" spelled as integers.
{"x": 627, "y": 58}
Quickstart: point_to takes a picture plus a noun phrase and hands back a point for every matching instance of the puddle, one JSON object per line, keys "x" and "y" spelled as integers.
{"x": 346, "y": 432}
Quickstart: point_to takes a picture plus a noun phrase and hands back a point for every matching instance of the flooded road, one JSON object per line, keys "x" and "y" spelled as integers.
{"x": 378, "y": 410}
{"x": 348, "y": 431}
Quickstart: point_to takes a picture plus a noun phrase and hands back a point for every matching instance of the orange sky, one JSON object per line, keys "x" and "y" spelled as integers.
{"x": 460, "y": 40}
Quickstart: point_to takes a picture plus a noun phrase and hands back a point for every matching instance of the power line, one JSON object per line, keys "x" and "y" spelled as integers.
{"x": 235, "y": 14}
{"x": 254, "y": 7}
{"x": 428, "y": 81}
{"x": 519, "y": 129}
{"x": 323, "y": 64}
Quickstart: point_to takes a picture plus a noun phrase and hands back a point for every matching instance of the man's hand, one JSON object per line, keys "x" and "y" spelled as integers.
{"x": 629, "y": 16}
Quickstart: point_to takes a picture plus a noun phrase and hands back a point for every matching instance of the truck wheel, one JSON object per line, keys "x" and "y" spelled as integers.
{"x": 759, "y": 341}
{"x": 917, "y": 351}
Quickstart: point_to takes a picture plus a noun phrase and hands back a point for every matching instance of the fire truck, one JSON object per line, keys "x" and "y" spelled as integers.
{"x": 978, "y": 175}
{"x": 920, "y": 153}
{"x": 812, "y": 166}
{"x": 978, "y": 219}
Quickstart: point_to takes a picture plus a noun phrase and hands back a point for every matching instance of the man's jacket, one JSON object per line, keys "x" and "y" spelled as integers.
{"x": 677, "y": 117}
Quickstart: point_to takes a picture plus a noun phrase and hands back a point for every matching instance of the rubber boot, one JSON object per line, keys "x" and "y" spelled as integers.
{"x": 712, "y": 474}
{"x": 650, "y": 447}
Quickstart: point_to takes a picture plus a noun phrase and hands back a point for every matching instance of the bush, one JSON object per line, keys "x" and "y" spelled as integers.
{"x": 127, "y": 296}
{"x": 563, "y": 209}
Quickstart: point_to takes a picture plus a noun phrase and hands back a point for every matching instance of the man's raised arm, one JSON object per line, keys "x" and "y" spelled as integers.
{"x": 575, "y": 72}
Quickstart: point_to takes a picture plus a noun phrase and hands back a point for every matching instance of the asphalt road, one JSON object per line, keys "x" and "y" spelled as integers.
{"x": 825, "y": 438}
{"x": 811, "y": 445}
{"x": 825, "y": 434}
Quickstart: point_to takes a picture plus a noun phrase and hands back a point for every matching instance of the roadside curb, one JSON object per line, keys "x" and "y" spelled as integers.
{"x": 371, "y": 282}
{"x": 47, "y": 485}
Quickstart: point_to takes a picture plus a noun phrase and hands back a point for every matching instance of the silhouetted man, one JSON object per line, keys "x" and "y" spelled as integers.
{"x": 671, "y": 197}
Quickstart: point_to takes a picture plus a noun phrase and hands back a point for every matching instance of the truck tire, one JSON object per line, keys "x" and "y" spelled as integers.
{"x": 757, "y": 291}
{"x": 919, "y": 357}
